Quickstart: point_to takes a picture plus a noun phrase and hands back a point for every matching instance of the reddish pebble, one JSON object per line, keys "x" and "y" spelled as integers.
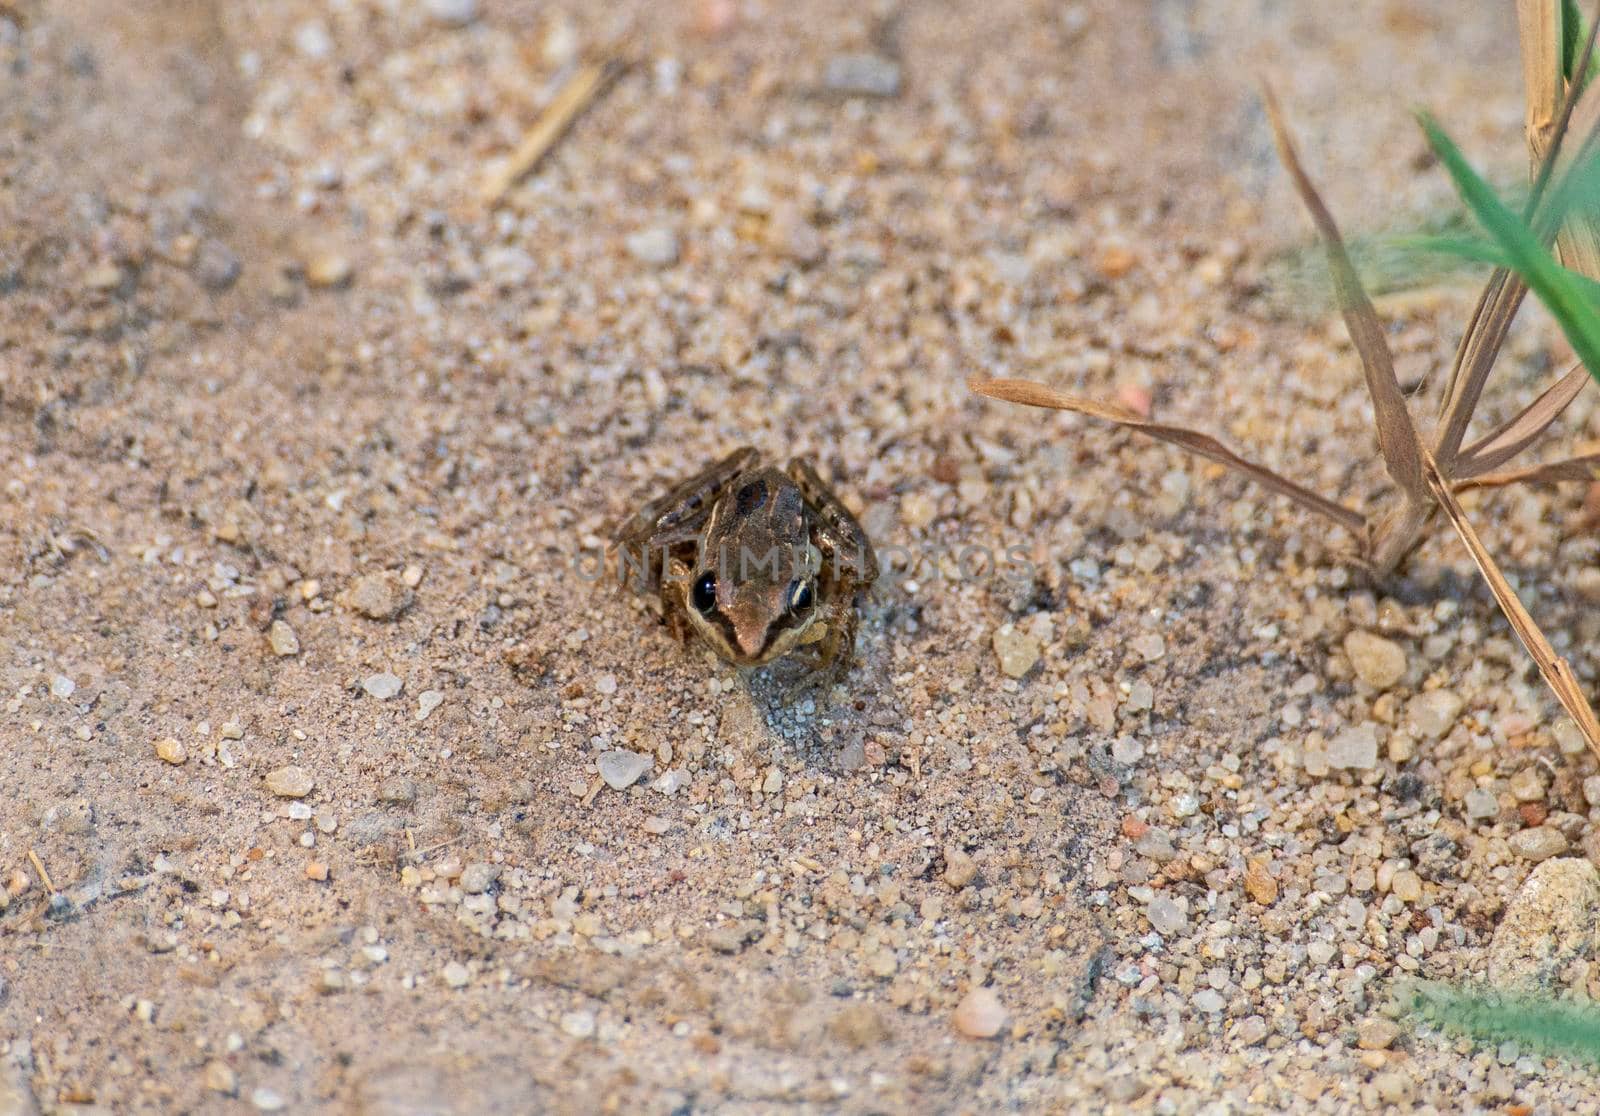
{"x": 1137, "y": 399}
{"x": 1133, "y": 828}
{"x": 317, "y": 870}
{"x": 1533, "y": 813}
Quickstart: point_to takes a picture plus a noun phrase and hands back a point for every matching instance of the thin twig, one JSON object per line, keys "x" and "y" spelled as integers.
{"x": 587, "y": 83}
{"x": 416, "y": 855}
{"x": 38, "y": 866}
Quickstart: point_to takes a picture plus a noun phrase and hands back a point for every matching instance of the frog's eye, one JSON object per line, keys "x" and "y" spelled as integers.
{"x": 801, "y": 597}
{"x": 704, "y": 593}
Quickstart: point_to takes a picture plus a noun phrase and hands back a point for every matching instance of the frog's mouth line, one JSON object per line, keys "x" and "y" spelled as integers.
{"x": 782, "y": 636}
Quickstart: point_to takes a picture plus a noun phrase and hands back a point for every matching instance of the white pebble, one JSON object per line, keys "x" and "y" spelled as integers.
{"x": 578, "y": 1024}
{"x": 1355, "y": 748}
{"x": 621, "y": 768}
{"x": 382, "y": 686}
{"x": 658, "y": 246}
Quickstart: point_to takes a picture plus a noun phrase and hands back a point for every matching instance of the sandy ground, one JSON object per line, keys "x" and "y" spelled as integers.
{"x": 299, "y": 440}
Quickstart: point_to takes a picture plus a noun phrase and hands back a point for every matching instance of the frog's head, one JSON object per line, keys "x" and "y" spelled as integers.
{"x": 753, "y": 591}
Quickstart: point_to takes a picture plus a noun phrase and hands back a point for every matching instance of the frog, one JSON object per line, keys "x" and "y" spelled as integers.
{"x": 755, "y": 561}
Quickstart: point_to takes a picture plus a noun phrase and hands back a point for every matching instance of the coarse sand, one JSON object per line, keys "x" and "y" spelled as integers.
{"x": 355, "y": 792}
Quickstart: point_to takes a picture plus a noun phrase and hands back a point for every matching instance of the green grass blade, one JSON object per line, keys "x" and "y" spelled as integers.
{"x": 1546, "y": 1026}
{"x": 1573, "y": 33}
{"x": 1567, "y": 300}
{"x": 1484, "y": 251}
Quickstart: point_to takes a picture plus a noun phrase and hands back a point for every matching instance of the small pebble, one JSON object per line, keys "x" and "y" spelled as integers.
{"x": 1431, "y": 715}
{"x": 1166, "y": 916}
{"x": 655, "y": 825}
{"x": 62, "y": 687}
{"x": 1355, "y": 748}
{"x": 378, "y": 596}
{"x": 959, "y": 868}
{"x": 452, "y": 13}
{"x": 1017, "y": 650}
{"x": 1258, "y": 881}
{"x": 478, "y": 877}
{"x": 1156, "y": 843}
{"x": 328, "y": 270}
{"x": 1591, "y": 790}
{"x": 1378, "y": 662}
{"x": 216, "y": 268}
{"x": 658, "y": 246}
{"x": 980, "y": 1014}
{"x": 456, "y": 975}
{"x": 1376, "y": 1033}
{"x": 1539, "y": 843}
{"x": 578, "y": 1024}
{"x": 382, "y": 686}
{"x": 219, "y": 1078}
{"x": 289, "y": 782}
{"x": 105, "y": 277}
{"x": 1406, "y": 886}
{"x": 312, "y": 40}
{"x": 862, "y": 75}
{"x": 267, "y": 1100}
{"x": 621, "y": 768}
{"x": 1209, "y": 1000}
{"x": 427, "y": 702}
{"x": 1481, "y": 804}
{"x": 171, "y": 750}
{"x": 282, "y": 639}
{"x": 397, "y": 790}
{"x": 1526, "y": 786}
{"x": 316, "y": 870}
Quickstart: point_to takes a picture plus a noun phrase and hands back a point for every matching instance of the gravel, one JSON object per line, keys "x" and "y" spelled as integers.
{"x": 1186, "y": 827}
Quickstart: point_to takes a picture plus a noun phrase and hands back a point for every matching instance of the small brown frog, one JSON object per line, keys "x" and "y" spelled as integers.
{"x": 756, "y": 560}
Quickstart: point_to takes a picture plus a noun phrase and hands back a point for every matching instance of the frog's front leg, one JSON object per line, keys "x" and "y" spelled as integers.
{"x": 672, "y": 518}
{"x": 836, "y": 650}
{"x": 841, "y": 539}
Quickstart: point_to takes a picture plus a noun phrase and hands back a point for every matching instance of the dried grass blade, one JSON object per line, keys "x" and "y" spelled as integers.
{"x": 1585, "y": 467}
{"x": 1480, "y": 348}
{"x": 580, "y": 90}
{"x": 1557, "y": 671}
{"x": 1521, "y": 432}
{"x": 1502, "y": 297}
{"x": 1033, "y": 394}
{"x": 1397, "y": 435}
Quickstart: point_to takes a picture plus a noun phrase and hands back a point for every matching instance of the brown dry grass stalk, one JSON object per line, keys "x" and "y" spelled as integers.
{"x": 585, "y": 85}
{"x": 1430, "y": 479}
